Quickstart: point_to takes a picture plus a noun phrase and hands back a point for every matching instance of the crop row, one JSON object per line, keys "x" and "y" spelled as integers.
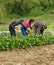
{"x": 6, "y": 42}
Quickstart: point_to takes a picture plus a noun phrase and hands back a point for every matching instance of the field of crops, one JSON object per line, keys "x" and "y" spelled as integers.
{"x": 31, "y": 49}
{"x": 6, "y": 42}
{"x": 23, "y": 42}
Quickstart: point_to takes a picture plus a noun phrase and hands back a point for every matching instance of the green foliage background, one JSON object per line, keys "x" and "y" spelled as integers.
{"x": 10, "y": 9}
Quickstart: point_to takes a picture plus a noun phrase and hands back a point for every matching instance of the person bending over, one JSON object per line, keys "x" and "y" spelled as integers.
{"x": 39, "y": 27}
{"x": 13, "y": 26}
{"x": 26, "y": 25}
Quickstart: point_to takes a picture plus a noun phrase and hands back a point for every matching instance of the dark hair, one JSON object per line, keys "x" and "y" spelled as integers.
{"x": 31, "y": 20}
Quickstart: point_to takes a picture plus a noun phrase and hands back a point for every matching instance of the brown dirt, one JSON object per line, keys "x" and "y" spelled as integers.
{"x": 37, "y": 55}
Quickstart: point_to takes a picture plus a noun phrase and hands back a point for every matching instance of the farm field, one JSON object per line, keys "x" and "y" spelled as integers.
{"x": 32, "y": 49}
{"x": 37, "y": 55}
{"x": 33, "y": 55}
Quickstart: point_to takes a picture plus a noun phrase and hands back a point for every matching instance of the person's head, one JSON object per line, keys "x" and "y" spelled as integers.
{"x": 21, "y": 20}
{"x": 44, "y": 27}
{"x": 31, "y": 21}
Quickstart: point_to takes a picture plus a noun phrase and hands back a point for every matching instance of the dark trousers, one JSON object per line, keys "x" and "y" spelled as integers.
{"x": 12, "y": 31}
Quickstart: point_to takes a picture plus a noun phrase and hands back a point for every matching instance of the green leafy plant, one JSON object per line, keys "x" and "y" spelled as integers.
{"x": 6, "y": 42}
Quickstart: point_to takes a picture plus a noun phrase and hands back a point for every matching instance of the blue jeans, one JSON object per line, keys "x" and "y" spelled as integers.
{"x": 23, "y": 30}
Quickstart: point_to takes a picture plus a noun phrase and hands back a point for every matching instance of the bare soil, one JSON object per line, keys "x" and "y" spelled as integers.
{"x": 37, "y": 55}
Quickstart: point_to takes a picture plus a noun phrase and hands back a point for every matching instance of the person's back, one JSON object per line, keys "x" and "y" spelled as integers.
{"x": 39, "y": 27}
{"x": 12, "y": 27}
{"x": 14, "y": 23}
{"x": 26, "y": 23}
{"x": 38, "y": 23}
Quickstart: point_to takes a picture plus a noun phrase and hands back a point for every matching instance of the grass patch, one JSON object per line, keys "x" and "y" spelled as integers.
{"x": 4, "y": 27}
{"x": 48, "y": 18}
